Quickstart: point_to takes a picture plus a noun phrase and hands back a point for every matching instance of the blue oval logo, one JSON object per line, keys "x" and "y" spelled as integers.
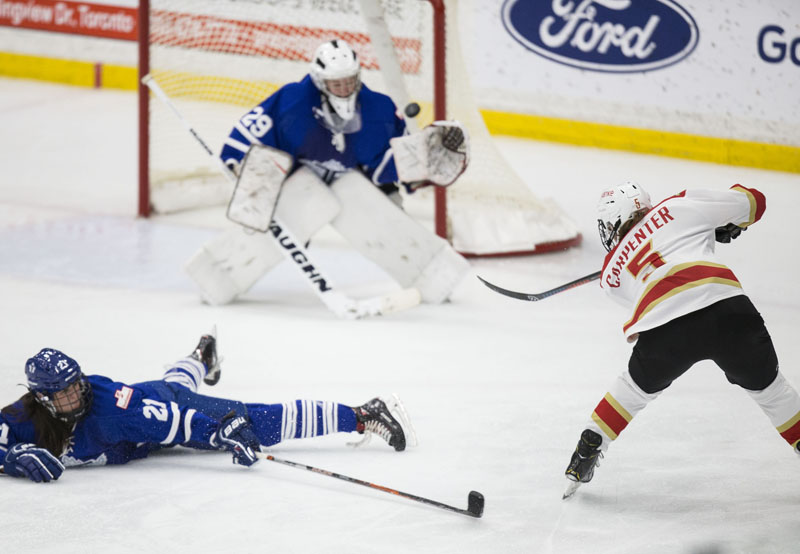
{"x": 618, "y": 36}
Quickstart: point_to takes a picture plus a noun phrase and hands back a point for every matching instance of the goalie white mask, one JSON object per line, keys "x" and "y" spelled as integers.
{"x": 336, "y": 72}
{"x": 617, "y": 206}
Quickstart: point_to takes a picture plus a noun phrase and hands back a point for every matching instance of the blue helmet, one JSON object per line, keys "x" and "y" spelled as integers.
{"x": 51, "y": 371}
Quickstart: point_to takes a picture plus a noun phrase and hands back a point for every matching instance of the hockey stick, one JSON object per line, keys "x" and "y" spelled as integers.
{"x": 474, "y": 499}
{"x": 340, "y": 304}
{"x": 534, "y": 296}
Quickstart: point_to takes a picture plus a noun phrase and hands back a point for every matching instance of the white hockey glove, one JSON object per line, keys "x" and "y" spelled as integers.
{"x": 438, "y": 154}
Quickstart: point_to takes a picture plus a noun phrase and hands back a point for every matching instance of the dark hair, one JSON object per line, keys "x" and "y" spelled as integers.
{"x": 51, "y": 433}
{"x": 635, "y": 218}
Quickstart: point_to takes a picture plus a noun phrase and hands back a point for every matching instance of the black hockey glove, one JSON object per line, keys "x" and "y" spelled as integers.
{"x": 235, "y": 434}
{"x": 453, "y": 138}
{"x": 37, "y": 464}
{"x": 728, "y": 232}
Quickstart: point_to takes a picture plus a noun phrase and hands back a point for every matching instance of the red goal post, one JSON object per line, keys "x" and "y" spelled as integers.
{"x": 218, "y": 58}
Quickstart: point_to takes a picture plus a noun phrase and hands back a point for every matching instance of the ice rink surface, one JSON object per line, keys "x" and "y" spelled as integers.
{"x": 498, "y": 389}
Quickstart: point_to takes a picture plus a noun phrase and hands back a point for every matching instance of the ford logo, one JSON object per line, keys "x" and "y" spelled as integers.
{"x": 619, "y": 36}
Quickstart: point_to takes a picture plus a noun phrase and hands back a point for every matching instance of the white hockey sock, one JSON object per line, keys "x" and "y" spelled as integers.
{"x": 186, "y": 372}
{"x": 781, "y": 403}
{"x": 312, "y": 418}
{"x": 617, "y": 408}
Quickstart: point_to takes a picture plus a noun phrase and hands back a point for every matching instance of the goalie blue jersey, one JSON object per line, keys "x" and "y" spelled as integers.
{"x": 295, "y": 120}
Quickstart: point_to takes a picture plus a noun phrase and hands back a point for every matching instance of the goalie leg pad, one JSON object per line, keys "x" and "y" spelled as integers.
{"x": 382, "y": 232}
{"x": 231, "y": 263}
{"x": 445, "y": 270}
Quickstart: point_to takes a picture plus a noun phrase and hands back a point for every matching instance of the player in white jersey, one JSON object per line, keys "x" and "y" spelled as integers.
{"x": 685, "y": 307}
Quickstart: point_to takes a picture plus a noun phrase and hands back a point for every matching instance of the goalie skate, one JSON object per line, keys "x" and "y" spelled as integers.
{"x": 388, "y": 419}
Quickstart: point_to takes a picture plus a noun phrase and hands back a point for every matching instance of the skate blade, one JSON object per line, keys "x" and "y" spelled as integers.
{"x": 399, "y": 412}
{"x": 396, "y": 408}
{"x": 571, "y": 488}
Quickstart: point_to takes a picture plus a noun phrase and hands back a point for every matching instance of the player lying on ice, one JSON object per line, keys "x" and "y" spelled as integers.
{"x": 71, "y": 419}
{"x": 686, "y": 307}
{"x": 328, "y": 150}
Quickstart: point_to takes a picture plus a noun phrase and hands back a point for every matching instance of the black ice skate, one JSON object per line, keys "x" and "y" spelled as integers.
{"x": 206, "y": 353}
{"x": 585, "y": 458}
{"x": 378, "y": 418}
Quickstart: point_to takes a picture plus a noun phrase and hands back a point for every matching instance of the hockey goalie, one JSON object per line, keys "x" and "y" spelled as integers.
{"x": 329, "y": 151}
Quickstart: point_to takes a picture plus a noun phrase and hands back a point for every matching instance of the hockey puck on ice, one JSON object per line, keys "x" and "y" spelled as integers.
{"x": 475, "y": 503}
{"x": 412, "y": 110}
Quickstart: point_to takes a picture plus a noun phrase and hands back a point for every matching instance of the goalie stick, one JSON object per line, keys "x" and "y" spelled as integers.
{"x": 475, "y": 499}
{"x": 337, "y": 302}
{"x": 535, "y": 296}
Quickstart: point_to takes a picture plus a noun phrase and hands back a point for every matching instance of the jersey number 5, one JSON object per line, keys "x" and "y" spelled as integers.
{"x": 646, "y": 257}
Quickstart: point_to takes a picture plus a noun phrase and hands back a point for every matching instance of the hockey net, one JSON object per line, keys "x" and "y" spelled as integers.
{"x": 216, "y": 59}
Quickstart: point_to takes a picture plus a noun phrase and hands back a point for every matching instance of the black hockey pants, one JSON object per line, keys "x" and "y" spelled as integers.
{"x": 730, "y": 332}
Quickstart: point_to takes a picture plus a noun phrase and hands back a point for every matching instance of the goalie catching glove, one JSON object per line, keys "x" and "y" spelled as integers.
{"x": 438, "y": 154}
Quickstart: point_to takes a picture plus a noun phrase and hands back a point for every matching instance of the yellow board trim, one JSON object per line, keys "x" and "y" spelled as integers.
{"x": 48, "y": 69}
{"x": 679, "y": 145}
{"x": 777, "y": 157}
{"x": 119, "y": 77}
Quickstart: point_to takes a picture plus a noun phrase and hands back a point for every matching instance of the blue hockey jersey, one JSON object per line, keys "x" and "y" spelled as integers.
{"x": 294, "y": 120}
{"x": 125, "y": 422}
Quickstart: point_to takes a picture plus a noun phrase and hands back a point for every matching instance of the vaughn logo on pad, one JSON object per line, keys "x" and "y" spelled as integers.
{"x": 618, "y": 36}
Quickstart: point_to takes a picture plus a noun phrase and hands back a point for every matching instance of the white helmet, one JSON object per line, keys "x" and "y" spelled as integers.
{"x": 336, "y": 72}
{"x": 618, "y": 205}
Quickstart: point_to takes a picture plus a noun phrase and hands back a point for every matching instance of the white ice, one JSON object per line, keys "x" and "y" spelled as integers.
{"x": 498, "y": 389}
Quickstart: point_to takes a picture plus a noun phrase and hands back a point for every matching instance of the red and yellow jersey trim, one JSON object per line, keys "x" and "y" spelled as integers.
{"x": 791, "y": 430}
{"x": 680, "y": 278}
{"x": 611, "y": 417}
{"x": 758, "y": 204}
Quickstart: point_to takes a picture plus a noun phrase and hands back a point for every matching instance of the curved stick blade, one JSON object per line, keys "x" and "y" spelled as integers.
{"x": 535, "y": 296}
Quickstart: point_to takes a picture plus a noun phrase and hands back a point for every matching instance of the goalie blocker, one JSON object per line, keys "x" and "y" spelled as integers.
{"x": 230, "y": 264}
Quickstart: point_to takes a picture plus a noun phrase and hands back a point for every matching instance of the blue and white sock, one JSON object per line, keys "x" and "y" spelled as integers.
{"x": 186, "y": 372}
{"x": 313, "y": 418}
